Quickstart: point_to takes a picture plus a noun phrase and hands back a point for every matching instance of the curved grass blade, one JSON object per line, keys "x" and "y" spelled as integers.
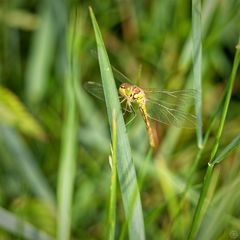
{"x": 15, "y": 113}
{"x": 125, "y": 168}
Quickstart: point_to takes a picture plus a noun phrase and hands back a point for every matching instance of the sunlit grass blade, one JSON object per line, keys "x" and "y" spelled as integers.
{"x": 67, "y": 166}
{"x": 207, "y": 179}
{"x": 125, "y": 167}
{"x": 12, "y": 223}
{"x": 113, "y": 192}
{"x": 14, "y": 113}
{"x": 197, "y": 64}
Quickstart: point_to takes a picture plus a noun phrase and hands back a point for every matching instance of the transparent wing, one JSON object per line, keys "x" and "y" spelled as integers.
{"x": 172, "y": 115}
{"x": 117, "y": 74}
{"x": 172, "y": 99}
{"x": 94, "y": 88}
{"x": 120, "y": 76}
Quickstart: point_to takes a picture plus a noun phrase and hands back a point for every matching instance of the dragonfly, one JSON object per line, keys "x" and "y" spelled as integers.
{"x": 167, "y": 107}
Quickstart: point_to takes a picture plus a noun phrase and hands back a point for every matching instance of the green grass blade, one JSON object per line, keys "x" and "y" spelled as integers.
{"x": 68, "y": 151}
{"x": 113, "y": 192}
{"x": 12, "y": 223}
{"x": 125, "y": 168}
{"x": 197, "y": 64}
{"x": 226, "y": 103}
{"x": 230, "y": 147}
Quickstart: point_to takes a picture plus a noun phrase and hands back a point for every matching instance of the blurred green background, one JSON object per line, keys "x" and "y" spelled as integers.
{"x": 37, "y": 131}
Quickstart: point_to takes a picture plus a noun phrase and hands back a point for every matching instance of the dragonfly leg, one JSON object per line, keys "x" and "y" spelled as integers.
{"x": 128, "y": 108}
{"x": 134, "y": 115}
{"x": 124, "y": 99}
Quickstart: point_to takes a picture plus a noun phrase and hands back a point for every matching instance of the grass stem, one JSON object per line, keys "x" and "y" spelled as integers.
{"x": 210, "y": 168}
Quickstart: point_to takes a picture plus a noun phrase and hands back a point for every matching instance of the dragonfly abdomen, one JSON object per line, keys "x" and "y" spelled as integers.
{"x": 143, "y": 111}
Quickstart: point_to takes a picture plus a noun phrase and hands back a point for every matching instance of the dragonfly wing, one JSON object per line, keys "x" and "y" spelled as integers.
{"x": 169, "y": 115}
{"x": 117, "y": 74}
{"x": 120, "y": 76}
{"x": 95, "y": 89}
{"x": 172, "y": 99}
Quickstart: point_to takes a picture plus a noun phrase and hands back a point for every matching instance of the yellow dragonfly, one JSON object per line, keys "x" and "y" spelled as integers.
{"x": 159, "y": 105}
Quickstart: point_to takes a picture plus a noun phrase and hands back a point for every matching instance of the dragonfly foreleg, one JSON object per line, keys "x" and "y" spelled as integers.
{"x": 126, "y": 108}
{"x": 124, "y": 99}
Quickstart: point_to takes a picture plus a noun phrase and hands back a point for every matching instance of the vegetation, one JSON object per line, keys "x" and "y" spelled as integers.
{"x": 70, "y": 167}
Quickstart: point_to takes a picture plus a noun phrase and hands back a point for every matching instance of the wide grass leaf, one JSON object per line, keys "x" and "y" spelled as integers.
{"x": 125, "y": 168}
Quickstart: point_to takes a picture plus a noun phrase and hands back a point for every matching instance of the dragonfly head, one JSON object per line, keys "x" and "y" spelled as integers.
{"x": 125, "y": 90}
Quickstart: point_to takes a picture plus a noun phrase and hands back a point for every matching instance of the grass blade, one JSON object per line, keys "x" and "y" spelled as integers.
{"x": 230, "y": 147}
{"x": 125, "y": 168}
{"x": 112, "y": 204}
{"x": 41, "y": 56}
{"x": 24, "y": 160}
{"x": 11, "y": 223}
{"x": 68, "y": 151}
{"x": 197, "y": 64}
